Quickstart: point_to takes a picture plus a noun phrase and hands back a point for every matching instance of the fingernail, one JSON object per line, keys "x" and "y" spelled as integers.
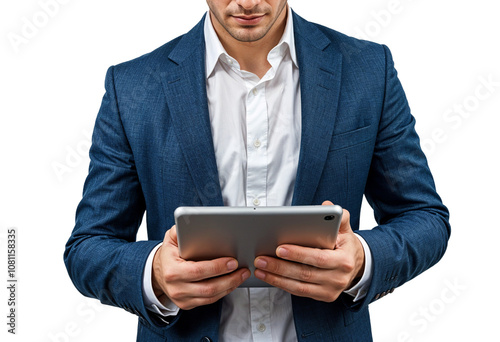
{"x": 259, "y": 274}
{"x": 245, "y": 275}
{"x": 260, "y": 263}
{"x": 282, "y": 252}
{"x": 232, "y": 265}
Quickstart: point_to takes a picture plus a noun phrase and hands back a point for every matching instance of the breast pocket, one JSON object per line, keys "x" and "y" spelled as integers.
{"x": 350, "y": 138}
{"x": 347, "y": 166}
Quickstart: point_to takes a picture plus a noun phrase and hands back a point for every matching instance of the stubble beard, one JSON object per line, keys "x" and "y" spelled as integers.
{"x": 246, "y": 36}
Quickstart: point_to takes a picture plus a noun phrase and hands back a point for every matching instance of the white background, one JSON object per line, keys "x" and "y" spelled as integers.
{"x": 51, "y": 88}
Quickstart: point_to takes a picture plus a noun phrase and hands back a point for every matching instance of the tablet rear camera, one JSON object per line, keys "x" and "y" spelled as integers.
{"x": 329, "y": 218}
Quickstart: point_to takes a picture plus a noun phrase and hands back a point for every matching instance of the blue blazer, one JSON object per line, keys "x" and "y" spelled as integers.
{"x": 152, "y": 151}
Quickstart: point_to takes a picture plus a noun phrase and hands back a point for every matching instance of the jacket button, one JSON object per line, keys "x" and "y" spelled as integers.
{"x": 205, "y": 339}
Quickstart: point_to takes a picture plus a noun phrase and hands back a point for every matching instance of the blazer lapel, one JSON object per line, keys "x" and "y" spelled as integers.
{"x": 320, "y": 65}
{"x": 185, "y": 91}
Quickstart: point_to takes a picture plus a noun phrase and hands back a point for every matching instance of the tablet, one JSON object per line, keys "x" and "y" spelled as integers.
{"x": 206, "y": 233}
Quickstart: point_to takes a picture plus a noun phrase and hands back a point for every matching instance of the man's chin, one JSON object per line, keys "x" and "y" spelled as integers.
{"x": 248, "y": 34}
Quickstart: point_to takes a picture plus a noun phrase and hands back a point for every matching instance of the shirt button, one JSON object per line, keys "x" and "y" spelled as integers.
{"x": 256, "y": 201}
{"x": 254, "y": 91}
{"x": 257, "y": 143}
{"x": 261, "y": 327}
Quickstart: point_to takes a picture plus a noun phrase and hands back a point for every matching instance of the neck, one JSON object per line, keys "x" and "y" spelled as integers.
{"x": 252, "y": 56}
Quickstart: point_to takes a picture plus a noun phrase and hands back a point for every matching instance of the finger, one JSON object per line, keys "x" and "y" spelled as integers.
{"x": 177, "y": 269}
{"x": 190, "y": 295}
{"x": 298, "y": 288}
{"x": 218, "y": 286}
{"x": 345, "y": 225}
{"x": 320, "y": 258}
{"x": 171, "y": 236}
{"x": 345, "y": 222}
{"x": 191, "y": 271}
{"x": 288, "y": 269}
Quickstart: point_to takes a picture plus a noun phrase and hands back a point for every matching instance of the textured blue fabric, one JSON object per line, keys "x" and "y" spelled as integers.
{"x": 152, "y": 151}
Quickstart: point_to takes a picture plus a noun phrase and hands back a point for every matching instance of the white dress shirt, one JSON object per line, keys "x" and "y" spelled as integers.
{"x": 256, "y": 127}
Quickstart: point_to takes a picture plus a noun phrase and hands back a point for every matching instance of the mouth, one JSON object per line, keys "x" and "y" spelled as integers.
{"x": 249, "y": 20}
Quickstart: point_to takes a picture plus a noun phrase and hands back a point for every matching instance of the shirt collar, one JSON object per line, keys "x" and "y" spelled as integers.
{"x": 214, "y": 48}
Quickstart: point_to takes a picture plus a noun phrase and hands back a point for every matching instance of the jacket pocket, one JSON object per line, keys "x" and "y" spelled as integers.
{"x": 351, "y": 138}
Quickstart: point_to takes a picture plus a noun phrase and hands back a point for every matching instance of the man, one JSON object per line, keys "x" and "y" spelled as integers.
{"x": 255, "y": 106}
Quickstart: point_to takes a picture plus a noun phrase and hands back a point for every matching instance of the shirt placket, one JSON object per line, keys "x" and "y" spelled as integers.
{"x": 256, "y": 147}
{"x": 260, "y": 315}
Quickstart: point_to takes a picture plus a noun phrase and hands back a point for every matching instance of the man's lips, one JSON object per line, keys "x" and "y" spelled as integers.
{"x": 248, "y": 20}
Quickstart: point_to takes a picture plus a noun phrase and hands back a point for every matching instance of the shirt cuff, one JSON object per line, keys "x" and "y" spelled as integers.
{"x": 359, "y": 290}
{"x": 165, "y": 307}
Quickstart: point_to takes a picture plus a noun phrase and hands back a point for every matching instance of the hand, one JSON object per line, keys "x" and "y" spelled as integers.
{"x": 189, "y": 284}
{"x": 321, "y": 274}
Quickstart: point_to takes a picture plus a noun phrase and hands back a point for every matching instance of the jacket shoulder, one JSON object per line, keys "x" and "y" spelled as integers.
{"x": 341, "y": 38}
{"x": 364, "y": 58}
{"x": 166, "y": 56}
{"x": 356, "y": 52}
{"x": 147, "y": 63}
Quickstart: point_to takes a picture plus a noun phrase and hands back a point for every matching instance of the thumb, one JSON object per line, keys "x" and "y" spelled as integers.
{"x": 171, "y": 236}
{"x": 345, "y": 223}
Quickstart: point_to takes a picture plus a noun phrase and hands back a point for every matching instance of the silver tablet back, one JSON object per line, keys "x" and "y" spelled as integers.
{"x": 246, "y": 232}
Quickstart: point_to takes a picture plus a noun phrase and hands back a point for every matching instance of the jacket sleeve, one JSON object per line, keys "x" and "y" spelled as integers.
{"x": 102, "y": 256}
{"x": 413, "y": 228}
